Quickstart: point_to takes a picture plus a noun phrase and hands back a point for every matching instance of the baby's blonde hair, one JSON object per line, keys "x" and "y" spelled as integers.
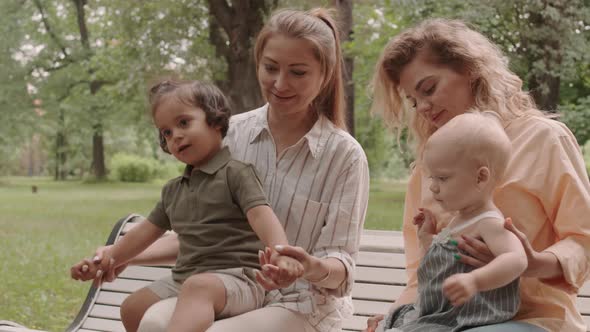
{"x": 453, "y": 44}
{"x": 477, "y": 138}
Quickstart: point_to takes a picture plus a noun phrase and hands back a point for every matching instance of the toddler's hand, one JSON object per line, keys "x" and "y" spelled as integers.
{"x": 84, "y": 270}
{"x": 460, "y": 288}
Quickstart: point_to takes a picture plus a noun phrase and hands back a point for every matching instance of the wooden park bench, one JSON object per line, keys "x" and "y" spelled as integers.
{"x": 380, "y": 278}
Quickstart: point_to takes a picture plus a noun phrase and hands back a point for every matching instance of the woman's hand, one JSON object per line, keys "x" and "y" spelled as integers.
{"x": 273, "y": 277}
{"x": 480, "y": 254}
{"x": 373, "y": 322}
{"x": 535, "y": 261}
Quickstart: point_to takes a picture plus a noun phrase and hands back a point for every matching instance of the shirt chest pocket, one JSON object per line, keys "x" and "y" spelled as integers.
{"x": 306, "y": 219}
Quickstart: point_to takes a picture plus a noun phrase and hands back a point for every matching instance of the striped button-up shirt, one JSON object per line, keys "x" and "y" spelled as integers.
{"x": 318, "y": 188}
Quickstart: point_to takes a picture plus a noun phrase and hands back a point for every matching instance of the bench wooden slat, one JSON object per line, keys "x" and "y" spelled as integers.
{"x": 376, "y": 292}
{"x": 150, "y": 273}
{"x": 370, "y": 308}
{"x": 111, "y": 298}
{"x": 125, "y": 285}
{"x": 380, "y": 275}
{"x": 583, "y": 305}
{"x": 107, "y": 325}
{"x": 105, "y": 311}
{"x": 356, "y": 323}
{"x": 381, "y": 259}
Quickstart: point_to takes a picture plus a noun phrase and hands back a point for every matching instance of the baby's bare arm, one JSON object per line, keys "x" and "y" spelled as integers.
{"x": 510, "y": 258}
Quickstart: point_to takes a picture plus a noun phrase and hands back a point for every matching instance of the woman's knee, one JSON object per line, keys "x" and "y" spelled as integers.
{"x": 157, "y": 317}
{"x": 152, "y": 323}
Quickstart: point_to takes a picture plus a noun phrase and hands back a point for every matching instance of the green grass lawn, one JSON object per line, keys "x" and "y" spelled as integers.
{"x": 43, "y": 234}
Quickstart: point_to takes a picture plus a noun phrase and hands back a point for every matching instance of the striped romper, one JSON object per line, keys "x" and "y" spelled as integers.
{"x": 434, "y": 312}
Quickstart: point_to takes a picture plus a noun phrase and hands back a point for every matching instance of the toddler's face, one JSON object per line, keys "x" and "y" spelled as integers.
{"x": 188, "y": 136}
{"x": 453, "y": 179}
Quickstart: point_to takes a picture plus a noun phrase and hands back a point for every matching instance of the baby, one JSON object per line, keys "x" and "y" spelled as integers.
{"x": 465, "y": 160}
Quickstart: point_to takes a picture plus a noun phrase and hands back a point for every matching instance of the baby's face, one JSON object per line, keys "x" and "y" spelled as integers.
{"x": 453, "y": 179}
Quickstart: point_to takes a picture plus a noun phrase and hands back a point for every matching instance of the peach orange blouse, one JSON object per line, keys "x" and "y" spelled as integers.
{"x": 547, "y": 194}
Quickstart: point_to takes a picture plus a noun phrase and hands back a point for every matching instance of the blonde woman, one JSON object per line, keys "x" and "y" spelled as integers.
{"x": 439, "y": 69}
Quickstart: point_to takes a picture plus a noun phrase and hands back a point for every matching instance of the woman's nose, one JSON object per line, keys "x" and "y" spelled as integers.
{"x": 280, "y": 81}
{"x": 423, "y": 105}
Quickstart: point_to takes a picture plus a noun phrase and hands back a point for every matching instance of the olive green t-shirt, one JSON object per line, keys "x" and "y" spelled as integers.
{"x": 207, "y": 207}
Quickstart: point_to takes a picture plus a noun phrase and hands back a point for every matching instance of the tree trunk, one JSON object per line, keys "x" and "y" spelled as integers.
{"x": 98, "y": 164}
{"x": 233, "y": 29}
{"x": 544, "y": 83}
{"x": 60, "y": 148}
{"x": 344, "y": 8}
{"x": 545, "y": 90}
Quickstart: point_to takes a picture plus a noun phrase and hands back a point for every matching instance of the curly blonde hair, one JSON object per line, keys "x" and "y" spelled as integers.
{"x": 449, "y": 43}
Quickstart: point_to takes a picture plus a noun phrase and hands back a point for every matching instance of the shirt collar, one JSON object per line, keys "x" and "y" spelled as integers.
{"x": 316, "y": 137}
{"x": 220, "y": 159}
{"x": 261, "y": 123}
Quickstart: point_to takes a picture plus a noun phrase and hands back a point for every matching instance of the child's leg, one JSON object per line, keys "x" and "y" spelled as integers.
{"x": 135, "y": 305}
{"x": 201, "y": 297}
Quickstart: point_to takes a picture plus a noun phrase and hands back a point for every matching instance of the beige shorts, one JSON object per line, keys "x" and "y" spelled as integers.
{"x": 242, "y": 292}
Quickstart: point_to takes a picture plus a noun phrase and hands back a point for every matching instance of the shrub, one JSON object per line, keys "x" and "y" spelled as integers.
{"x": 168, "y": 170}
{"x": 132, "y": 168}
{"x": 577, "y": 118}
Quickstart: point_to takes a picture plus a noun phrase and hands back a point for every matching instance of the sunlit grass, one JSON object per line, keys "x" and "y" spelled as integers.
{"x": 42, "y": 234}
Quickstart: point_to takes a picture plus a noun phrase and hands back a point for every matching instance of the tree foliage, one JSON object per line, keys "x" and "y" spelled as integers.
{"x": 92, "y": 83}
{"x": 17, "y": 112}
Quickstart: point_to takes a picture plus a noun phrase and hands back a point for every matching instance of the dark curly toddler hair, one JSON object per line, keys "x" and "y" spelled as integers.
{"x": 205, "y": 96}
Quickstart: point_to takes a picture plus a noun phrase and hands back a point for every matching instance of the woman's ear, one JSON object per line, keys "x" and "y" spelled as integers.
{"x": 483, "y": 177}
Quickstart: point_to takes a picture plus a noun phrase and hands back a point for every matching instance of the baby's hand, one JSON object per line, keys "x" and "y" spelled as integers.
{"x": 459, "y": 288}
